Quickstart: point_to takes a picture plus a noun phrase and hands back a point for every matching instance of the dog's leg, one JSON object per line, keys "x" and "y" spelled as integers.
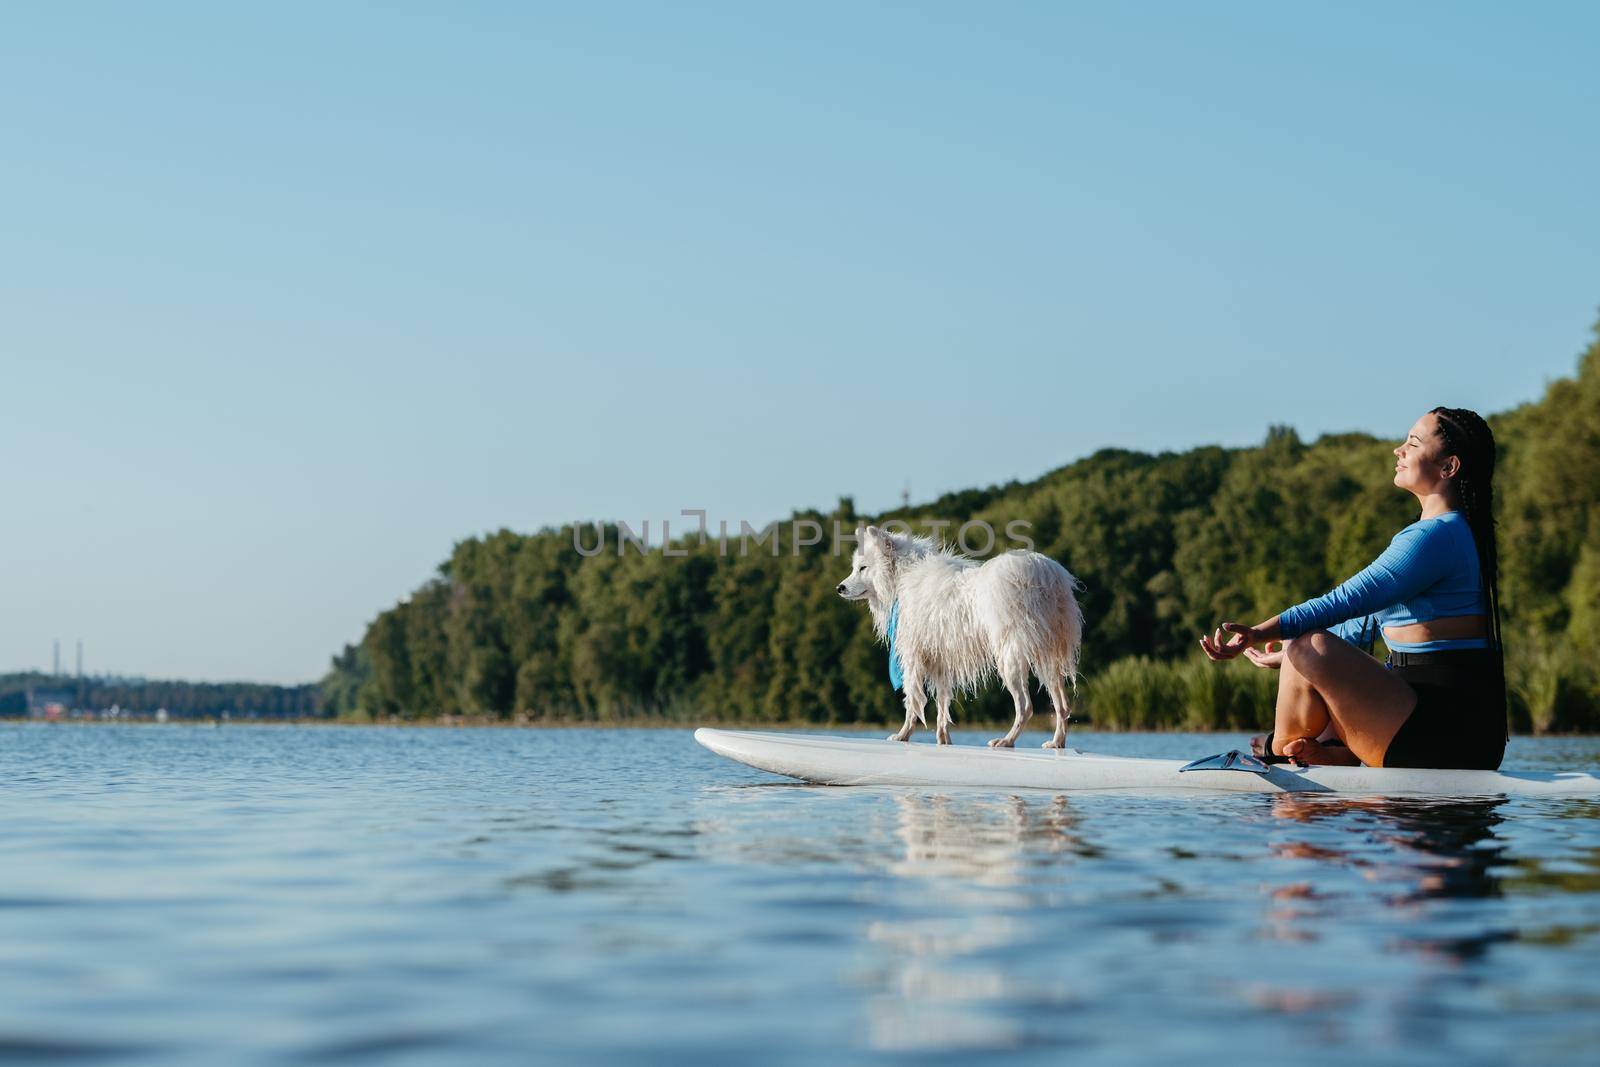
{"x": 1058, "y": 700}
{"x": 1016, "y": 681}
{"x": 943, "y": 693}
{"x": 916, "y": 700}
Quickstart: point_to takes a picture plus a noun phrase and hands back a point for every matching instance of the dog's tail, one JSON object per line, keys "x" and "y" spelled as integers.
{"x": 1068, "y": 633}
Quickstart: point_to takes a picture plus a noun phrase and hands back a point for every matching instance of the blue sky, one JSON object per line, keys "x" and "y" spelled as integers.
{"x": 293, "y": 298}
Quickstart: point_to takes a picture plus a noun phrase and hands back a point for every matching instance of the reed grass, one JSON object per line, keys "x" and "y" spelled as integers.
{"x": 1140, "y": 693}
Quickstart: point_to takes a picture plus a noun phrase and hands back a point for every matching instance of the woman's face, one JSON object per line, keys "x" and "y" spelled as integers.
{"x": 1421, "y": 465}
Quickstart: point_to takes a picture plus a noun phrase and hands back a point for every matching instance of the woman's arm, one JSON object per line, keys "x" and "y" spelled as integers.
{"x": 1361, "y": 632}
{"x": 1404, "y": 569}
{"x": 1358, "y": 632}
{"x": 1238, "y": 638}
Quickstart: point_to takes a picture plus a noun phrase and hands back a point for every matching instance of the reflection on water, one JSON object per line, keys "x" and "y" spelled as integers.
{"x": 295, "y": 895}
{"x": 1426, "y": 849}
{"x": 1005, "y": 854}
{"x": 982, "y": 840}
{"x": 940, "y": 976}
{"x": 1449, "y": 844}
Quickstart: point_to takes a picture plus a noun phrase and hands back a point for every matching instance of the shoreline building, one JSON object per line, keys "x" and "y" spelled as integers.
{"x": 49, "y": 703}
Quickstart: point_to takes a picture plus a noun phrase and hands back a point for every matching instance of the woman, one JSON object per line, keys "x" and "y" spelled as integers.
{"x": 1440, "y": 700}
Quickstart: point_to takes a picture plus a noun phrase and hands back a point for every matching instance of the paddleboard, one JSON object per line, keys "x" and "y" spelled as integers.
{"x": 856, "y": 761}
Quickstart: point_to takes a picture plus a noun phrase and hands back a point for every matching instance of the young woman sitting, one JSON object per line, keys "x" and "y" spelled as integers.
{"x": 1439, "y": 701}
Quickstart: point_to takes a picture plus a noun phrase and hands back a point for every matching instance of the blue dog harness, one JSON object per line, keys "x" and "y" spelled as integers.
{"x": 897, "y": 677}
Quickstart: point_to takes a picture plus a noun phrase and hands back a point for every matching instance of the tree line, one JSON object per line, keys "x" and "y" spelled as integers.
{"x": 140, "y": 696}
{"x": 528, "y": 626}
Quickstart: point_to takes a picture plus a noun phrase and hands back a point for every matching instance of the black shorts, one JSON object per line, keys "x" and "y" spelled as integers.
{"x": 1460, "y": 718}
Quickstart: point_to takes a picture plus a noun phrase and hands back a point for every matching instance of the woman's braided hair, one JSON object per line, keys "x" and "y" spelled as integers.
{"x": 1468, "y": 437}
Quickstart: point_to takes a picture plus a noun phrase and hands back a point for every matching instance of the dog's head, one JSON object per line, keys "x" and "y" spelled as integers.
{"x": 871, "y": 566}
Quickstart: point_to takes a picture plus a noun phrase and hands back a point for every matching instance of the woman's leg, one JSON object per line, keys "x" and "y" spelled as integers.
{"x": 1303, "y": 727}
{"x": 1334, "y": 683}
{"x": 1301, "y": 711}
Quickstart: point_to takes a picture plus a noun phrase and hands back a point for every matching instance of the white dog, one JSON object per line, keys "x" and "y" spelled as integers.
{"x": 957, "y": 621}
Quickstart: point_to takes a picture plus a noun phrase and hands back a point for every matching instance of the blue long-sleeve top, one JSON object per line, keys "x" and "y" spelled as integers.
{"x": 1429, "y": 571}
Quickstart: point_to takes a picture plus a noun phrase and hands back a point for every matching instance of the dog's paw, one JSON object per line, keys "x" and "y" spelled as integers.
{"x": 1002, "y": 742}
{"x": 899, "y": 737}
{"x": 1053, "y": 743}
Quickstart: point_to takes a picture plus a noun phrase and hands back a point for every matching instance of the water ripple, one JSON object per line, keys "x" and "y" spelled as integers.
{"x": 313, "y": 895}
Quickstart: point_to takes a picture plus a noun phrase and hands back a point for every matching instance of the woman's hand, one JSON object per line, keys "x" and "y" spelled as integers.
{"x": 1240, "y": 637}
{"x": 1265, "y": 657}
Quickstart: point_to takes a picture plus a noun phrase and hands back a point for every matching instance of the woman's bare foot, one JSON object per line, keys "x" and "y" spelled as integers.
{"x": 1316, "y": 754}
{"x": 1258, "y": 746}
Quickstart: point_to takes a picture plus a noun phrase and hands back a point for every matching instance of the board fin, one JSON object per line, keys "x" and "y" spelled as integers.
{"x": 1231, "y": 760}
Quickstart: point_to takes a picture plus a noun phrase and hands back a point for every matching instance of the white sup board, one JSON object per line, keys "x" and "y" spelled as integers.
{"x": 851, "y": 761}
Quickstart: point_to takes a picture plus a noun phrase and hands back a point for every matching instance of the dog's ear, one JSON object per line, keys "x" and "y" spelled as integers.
{"x": 870, "y": 535}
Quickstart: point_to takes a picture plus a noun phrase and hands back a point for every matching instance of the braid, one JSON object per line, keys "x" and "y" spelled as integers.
{"x": 1468, "y": 437}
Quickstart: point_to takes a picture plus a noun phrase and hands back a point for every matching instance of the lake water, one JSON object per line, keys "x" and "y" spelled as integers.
{"x": 344, "y": 895}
